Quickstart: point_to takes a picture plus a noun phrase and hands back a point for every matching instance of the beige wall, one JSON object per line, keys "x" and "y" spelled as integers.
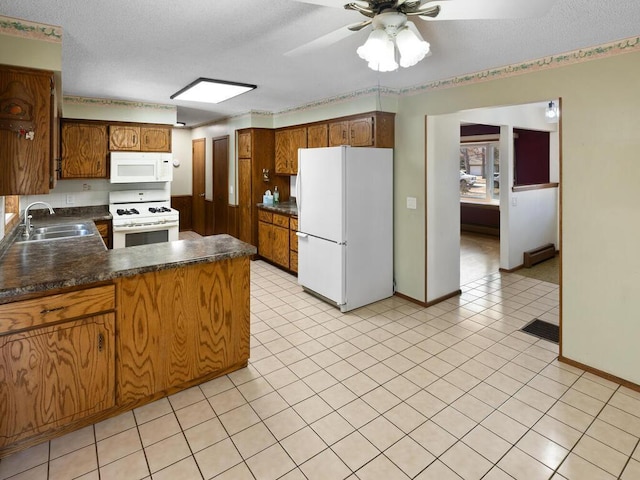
{"x": 600, "y": 145}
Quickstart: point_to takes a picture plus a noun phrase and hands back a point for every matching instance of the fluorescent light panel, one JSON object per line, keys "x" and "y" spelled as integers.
{"x": 211, "y": 91}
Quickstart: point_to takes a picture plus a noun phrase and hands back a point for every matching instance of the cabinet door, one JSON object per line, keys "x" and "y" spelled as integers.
{"x": 338, "y": 134}
{"x": 318, "y": 136}
{"x": 155, "y": 139}
{"x": 244, "y": 145}
{"x": 280, "y": 242}
{"x": 84, "y": 150}
{"x": 361, "y": 132}
{"x": 124, "y": 137}
{"x": 54, "y": 375}
{"x": 265, "y": 242}
{"x": 298, "y": 140}
{"x": 25, "y": 163}
{"x": 244, "y": 200}
{"x": 283, "y": 149}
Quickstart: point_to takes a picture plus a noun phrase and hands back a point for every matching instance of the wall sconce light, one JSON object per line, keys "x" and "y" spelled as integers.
{"x": 265, "y": 175}
{"x": 552, "y": 113}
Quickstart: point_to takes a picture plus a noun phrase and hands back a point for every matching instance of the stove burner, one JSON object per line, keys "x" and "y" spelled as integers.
{"x": 159, "y": 209}
{"x": 131, "y": 211}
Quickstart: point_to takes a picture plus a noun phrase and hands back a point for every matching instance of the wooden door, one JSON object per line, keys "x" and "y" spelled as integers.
{"x": 198, "y": 186}
{"x": 318, "y": 136}
{"x": 265, "y": 242}
{"x": 244, "y": 145}
{"x": 361, "y": 132}
{"x": 124, "y": 138}
{"x": 280, "y": 252}
{"x": 155, "y": 139}
{"x": 25, "y": 164}
{"x": 298, "y": 140}
{"x": 54, "y": 375}
{"x": 244, "y": 200}
{"x": 283, "y": 150}
{"x": 220, "y": 185}
{"x": 84, "y": 150}
{"x": 338, "y": 134}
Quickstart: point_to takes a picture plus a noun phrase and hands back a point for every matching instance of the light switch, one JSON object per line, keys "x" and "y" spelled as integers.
{"x": 514, "y": 201}
{"x": 412, "y": 203}
{"x": 230, "y": 189}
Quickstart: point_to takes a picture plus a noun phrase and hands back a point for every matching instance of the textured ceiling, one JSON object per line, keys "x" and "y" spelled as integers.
{"x": 146, "y": 50}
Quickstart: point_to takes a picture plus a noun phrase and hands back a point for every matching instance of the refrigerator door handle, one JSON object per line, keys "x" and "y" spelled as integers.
{"x": 301, "y": 235}
{"x": 299, "y": 185}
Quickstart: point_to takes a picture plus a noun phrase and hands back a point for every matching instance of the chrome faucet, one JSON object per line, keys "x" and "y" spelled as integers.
{"x": 27, "y": 216}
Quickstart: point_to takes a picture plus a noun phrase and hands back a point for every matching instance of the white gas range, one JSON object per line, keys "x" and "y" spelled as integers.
{"x": 142, "y": 217}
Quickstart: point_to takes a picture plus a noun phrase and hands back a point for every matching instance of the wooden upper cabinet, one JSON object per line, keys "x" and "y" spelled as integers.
{"x": 318, "y": 136}
{"x": 25, "y": 130}
{"x": 84, "y": 150}
{"x": 361, "y": 132}
{"x": 244, "y": 145}
{"x": 287, "y": 144}
{"x": 139, "y": 138}
{"x": 338, "y": 133}
{"x": 155, "y": 139}
{"x": 124, "y": 138}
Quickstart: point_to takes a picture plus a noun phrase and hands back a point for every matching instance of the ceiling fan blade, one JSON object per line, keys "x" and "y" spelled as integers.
{"x": 486, "y": 9}
{"x": 356, "y": 27}
{"x": 334, "y": 3}
{"x": 323, "y": 41}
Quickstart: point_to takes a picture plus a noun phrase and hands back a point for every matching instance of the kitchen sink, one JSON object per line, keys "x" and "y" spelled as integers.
{"x": 57, "y": 232}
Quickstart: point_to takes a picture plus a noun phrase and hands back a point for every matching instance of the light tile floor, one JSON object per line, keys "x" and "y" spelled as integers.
{"x": 390, "y": 391}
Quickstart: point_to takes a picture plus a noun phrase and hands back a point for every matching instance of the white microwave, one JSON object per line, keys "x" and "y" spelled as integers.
{"x": 136, "y": 167}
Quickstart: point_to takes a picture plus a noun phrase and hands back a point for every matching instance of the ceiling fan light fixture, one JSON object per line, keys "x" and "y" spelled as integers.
{"x": 411, "y": 46}
{"x": 208, "y": 90}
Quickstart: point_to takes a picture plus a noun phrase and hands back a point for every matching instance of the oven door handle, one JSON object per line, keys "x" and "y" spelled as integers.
{"x": 145, "y": 226}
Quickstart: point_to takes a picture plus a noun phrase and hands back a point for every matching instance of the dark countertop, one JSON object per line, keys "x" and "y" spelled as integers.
{"x": 289, "y": 207}
{"x": 31, "y": 267}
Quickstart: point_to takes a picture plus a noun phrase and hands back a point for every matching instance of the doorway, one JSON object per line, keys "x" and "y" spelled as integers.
{"x": 198, "y": 186}
{"x": 221, "y": 185}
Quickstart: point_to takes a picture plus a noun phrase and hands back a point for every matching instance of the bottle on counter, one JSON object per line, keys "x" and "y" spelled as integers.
{"x": 276, "y": 195}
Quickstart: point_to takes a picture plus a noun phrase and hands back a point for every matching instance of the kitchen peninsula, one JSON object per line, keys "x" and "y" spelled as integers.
{"x": 87, "y": 333}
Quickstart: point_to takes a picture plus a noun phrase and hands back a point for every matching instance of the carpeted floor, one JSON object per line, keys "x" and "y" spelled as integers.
{"x": 548, "y": 271}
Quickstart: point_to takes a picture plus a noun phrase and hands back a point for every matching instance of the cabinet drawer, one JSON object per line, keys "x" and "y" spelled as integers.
{"x": 293, "y": 225}
{"x": 265, "y": 216}
{"x": 281, "y": 220}
{"x": 54, "y": 308}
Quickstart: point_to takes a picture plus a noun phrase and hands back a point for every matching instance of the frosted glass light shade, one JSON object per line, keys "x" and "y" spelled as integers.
{"x": 379, "y": 52}
{"x": 411, "y": 46}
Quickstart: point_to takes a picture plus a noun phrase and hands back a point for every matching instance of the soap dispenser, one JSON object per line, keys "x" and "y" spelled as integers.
{"x": 276, "y": 195}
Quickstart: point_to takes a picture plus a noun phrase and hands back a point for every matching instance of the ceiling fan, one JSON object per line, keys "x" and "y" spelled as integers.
{"x": 391, "y": 27}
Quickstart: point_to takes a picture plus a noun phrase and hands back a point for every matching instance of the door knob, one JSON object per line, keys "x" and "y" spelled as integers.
{"x": 201, "y": 195}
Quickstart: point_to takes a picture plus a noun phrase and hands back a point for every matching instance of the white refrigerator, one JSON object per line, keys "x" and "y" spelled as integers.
{"x": 345, "y": 224}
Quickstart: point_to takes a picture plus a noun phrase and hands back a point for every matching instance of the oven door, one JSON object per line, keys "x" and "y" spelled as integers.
{"x": 130, "y": 236}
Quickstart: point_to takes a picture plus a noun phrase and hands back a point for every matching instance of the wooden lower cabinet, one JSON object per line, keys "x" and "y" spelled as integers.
{"x": 293, "y": 245}
{"x": 277, "y": 239}
{"x": 181, "y": 324}
{"x": 59, "y": 371}
{"x": 273, "y": 237}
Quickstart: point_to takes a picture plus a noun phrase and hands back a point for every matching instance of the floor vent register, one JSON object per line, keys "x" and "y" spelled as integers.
{"x": 542, "y": 329}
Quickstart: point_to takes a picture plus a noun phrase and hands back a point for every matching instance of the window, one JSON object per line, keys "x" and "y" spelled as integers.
{"x": 480, "y": 172}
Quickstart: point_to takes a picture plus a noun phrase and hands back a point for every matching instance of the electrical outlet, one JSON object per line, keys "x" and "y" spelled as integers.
{"x": 86, "y": 187}
{"x": 71, "y": 199}
{"x": 412, "y": 203}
